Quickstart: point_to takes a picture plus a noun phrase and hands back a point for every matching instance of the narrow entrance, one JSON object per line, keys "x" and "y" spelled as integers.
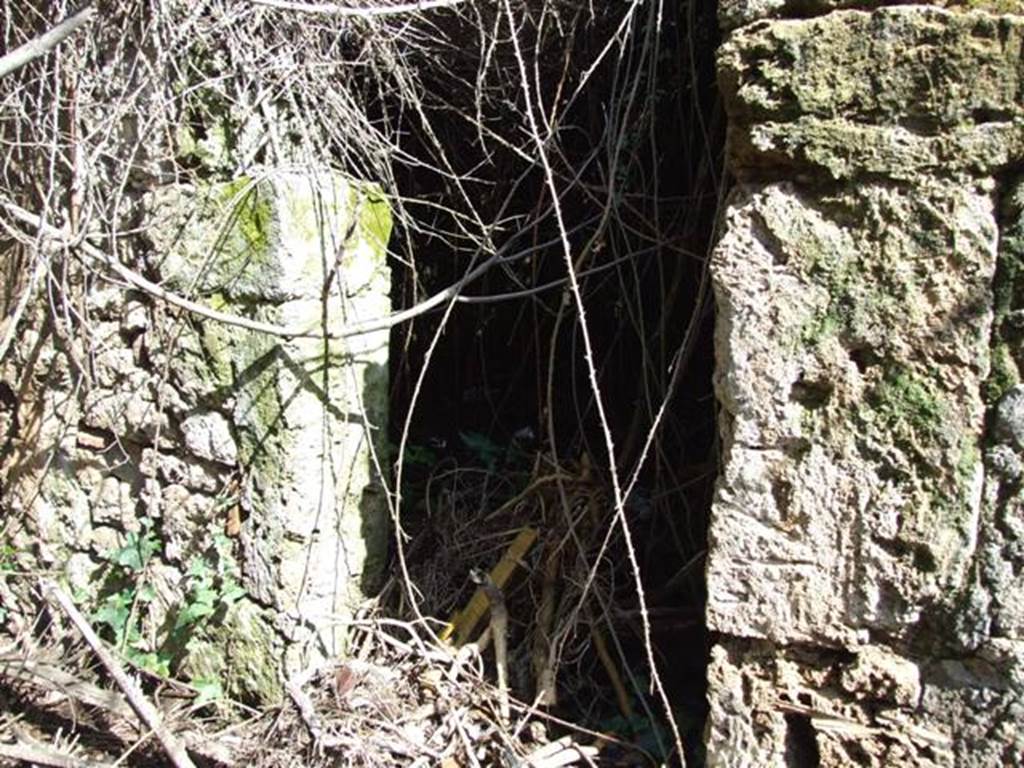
{"x": 493, "y": 401}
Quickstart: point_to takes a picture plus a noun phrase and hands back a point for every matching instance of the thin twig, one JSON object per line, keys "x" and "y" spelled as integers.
{"x": 289, "y": 332}
{"x": 53, "y": 678}
{"x": 11, "y": 323}
{"x": 37, "y": 754}
{"x": 363, "y": 12}
{"x": 577, "y": 296}
{"x": 307, "y": 711}
{"x": 146, "y": 712}
{"x": 499, "y": 631}
{"x": 46, "y": 42}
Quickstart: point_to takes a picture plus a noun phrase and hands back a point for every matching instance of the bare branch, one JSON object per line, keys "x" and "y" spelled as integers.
{"x": 139, "y": 282}
{"x": 46, "y": 42}
{"x": 618, "y": 497}
{"x": 37, "y": 754}
{"x": 146, "y": 712}
{"x": 358, "y": 12}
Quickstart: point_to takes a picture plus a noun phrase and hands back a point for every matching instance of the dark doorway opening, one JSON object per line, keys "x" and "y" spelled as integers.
{"x": 493, "y": 400}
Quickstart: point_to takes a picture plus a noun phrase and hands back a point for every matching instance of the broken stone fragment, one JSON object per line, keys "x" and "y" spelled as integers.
{"x": 112, "y": 501}
{"x": 881, "y": 675}
{"x": 208, "y": 436}
{"x": 185, "y": 529}
{"x": 1008, "y": 424}
{"x": 128, "y": 412}
{"x": 197, "y": 476}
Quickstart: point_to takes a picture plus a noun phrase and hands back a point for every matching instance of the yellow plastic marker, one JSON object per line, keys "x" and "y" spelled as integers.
{"x": 463, "y": 623}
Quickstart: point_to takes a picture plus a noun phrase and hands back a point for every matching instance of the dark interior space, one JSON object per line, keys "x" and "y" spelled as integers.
{"x": 505, "y": 396}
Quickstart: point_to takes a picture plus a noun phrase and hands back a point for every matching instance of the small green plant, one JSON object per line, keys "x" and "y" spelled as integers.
{"x": 210, "y": 588}
{"x": 213, "y": 584}
{"x": 8, "y": 557}
{"x": 126, "y": 595}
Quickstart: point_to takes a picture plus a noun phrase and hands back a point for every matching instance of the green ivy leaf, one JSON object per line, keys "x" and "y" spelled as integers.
{"x": 209, "y": 690}
{"x": 8, "y": 557}
{"x": 231, "y": 591}
{"x": 199, "y": 569}
{"x": 114, "y": 612}
{"x": 136, "y": 552}
{"x": 154, "y": 662}
{"x": 147, "y": 593}
{"x": 195, "y": 610}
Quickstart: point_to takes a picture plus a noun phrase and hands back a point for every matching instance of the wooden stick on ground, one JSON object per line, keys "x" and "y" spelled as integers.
{"x": 37, "y": 754}
{"x": 146, "y": 712}
{"x": 307, "y": 711}
{"x": 499, "y": 634}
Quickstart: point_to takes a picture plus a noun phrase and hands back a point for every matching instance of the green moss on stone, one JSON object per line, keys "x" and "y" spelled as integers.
{"x": 819, "y": 327}
{"x": 908, "y": 422}
{"x": 247, "y": 240}
{"x": 867, "y": 296}
{"x": 251, "y": 209}
{"x": 859, "y": 307}
{"x": 1007, "y": 344}
{"x": 1003, "y": 373}
{"x": 219, "y": 240}
{"x": 240, "y": 653}
{"x": 908, "y": 407}
{"x": 375, "y": 219}
{"x": 953, "y": 501}
{"x": 967, "y": 465}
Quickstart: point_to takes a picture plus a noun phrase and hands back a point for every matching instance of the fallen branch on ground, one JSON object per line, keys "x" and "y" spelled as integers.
{"x": 146, "y": 712}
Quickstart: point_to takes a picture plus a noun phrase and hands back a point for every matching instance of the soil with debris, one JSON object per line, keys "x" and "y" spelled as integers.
{"x": 413, "y": 692}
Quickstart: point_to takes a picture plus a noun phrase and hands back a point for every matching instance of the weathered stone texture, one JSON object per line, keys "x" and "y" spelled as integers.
{"x": 885, "y": 93}
{"x": 851, "y": 360}
{"x": 867, "y": 535}
{"x": 308, "y": 414}
{"x": 182, "y": 427}
{"x": 737, "y": 13}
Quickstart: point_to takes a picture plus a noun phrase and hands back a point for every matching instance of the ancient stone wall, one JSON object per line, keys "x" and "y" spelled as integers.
{"x": 867, "y": 537}
{"x": 212, "y": 492}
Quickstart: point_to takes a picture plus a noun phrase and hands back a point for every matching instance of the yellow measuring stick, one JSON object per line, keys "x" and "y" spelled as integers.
{"x": 463, "y": 623}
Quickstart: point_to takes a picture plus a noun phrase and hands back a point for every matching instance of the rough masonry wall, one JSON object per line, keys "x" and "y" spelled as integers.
{"x": 867, "y": 537}
{"x": 212, "y": 493}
